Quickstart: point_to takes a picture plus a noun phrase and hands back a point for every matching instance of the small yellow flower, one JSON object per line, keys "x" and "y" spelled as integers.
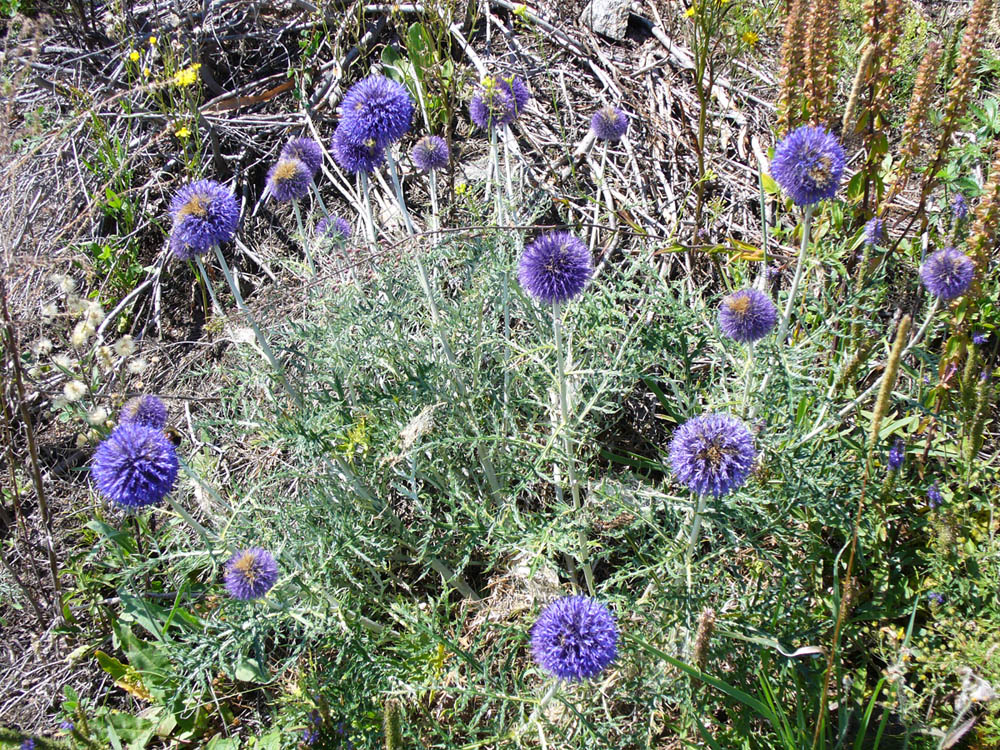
{"x": 145, "y": 72}
{"x": 134, "y": 55}
{"x": 187, "y": 76}
{"x": 690, "y": 12}
{"x": 152, "y": 41}
{"x": 750, "y": 38}
{"x": 183, "y": 132}
{"x": 460, "y": 188}
{"x": 521, "y": 10}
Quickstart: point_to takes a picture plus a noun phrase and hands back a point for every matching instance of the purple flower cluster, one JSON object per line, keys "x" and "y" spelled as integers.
{"x": 575, "y": 638}
{"x": 808, "y": 165}
{"x": 555, "y": 267}
{"x": 430, "y": 153}
{"x": 335, "y": 227}
{"x": 205, "y": 213}
{"x": 959, "y": 206}
{"x": 747, "y": 315}
{"x": 135, "y": 466}
{"x": 147, "y": 410}
{"x": 289, "y": 179}
{"x": 874, "y": 231}
{"x": 712, "y": 454}
{"x": 948, "y": 273}
{"x": 934, "y": 498}
{"x": 250, "y": 573}
{"x": 896, "y": 454}
{"x": 609, "y": 123}
{"x": 356, "y": 157}
{"x": 375, "y": 110}
{"x": 498, "y": 102}
{"x": 306, "y": 150}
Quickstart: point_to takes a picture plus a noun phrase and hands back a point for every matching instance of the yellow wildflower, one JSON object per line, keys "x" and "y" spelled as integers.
{"x": 690, "y": 12}
{"x": 750, "y": 38}
{"x": 521, "y": 10}
{"x": 145, "y": 72}
{"x": 134, "y": 55}
{"x": 183, "y": 132}
{"x": 152, "y": 41}
{"x": 460, "y": 188}
{"x": 187, "y": 76}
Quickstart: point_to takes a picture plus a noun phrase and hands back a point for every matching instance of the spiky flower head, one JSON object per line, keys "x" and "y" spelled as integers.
{"x": 430, "y": 153}
{"x": 609, "y": 123}
{"x": 959, "y": 206}
{"x": 492, "y": 104}
{"x": 306, "y": 150}
{"x": 205, "y": 213}
{"x": 575, "y": 638}
{"x": 334, "y": 227}
{"x": 135, "y": 466}
{"x": 147, "y": 410}
{"x": 712, "y": 454}
{"x": 250, "y": 573}
{"x": 518, "y": 92}
{"x": 376, "y": 110}
{"x": 874, "y": 231}
{"x": 808, "y": 164}
{"x": 355, "y": 157}
{"x": 555, "y": 267}
{"x": 747, "y": 315}
{"x": 948, "y": 273}
{"x": 289, "y": 179}
{"x": 896, "y": 454}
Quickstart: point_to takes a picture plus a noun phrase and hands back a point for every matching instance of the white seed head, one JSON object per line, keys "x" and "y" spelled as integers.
{"x": 137, "y": 365}
{"x": 125, "y": 346}
{"x": 42, "y": 347}
{"x": 97, "y": 416}
{"x": 74, "y": 390}
{"x": 49, "y": 311}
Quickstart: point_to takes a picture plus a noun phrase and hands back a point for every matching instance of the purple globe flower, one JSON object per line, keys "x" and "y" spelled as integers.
{"x": 205, "y": 213}
{"x": 492, "y": 105}
{"x": 306, "y": 150}
{"x": 356, "y": 157}
{"x": 747, "y": 315}
{"x": 712, "y": 454}
{"x": 808, "y": 164}
{"x": 959, "y": 206}
{"x": 874, "y": 230}
{"x": 334, "y": 227}
{"x": 555, "y": 267}
{"x": 289, "y": 180}
{"x": 517, "y": 90}
{"x": 948, "y": 273}
{"x": 376, "y": 110}
{"x": 147, "y": 410}
{"x": 135, "y": 466}
{"x": 575, "y": 638}
{"x": 250, "y": 573}
{"x": 430, "y": 153}
{"x": 896, "y": 454}
{"x": 609, "y": 123}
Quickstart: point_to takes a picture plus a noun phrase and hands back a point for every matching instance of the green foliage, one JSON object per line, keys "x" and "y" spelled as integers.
{"x": 429, "y": 74}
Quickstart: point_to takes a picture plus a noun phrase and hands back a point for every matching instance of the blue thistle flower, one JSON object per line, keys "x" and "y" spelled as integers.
{"x": 492, "y": 106}
{"x": 517, "y": 90}
{"x": 335, "y": 227}
{"x": 355, "y": 157}
{"x": 289, "y": 179}
{"x": 430, "y": 153}
{"x": 808, "y": 164}
{"x": 376, "y": 110}
{"x": 747, "y": 315}
{"x": 147, "y": 410}
{"x": 874, "y": 231}
{"x": 712, "y": 454}
{"x": 959, "y": 206}
{"x": 205, "y": 213}
{"x": 609, "y": 123}
{"x": 575, "y": 638}
{"x": 135, "y": 466}
{"x": 896, "y": 454}
{"x": 250, "y": 573}
{"x": 306, "y": 150}
{"x": 555, "y": 267}
{"x": 934, "y": 498}
{"x": 948, "y": 273}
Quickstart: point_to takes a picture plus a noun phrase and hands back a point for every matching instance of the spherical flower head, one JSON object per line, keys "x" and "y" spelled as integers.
{"x": 959, "y": 206}
{"x": 430, "y": 153}
{"x": 356, "y": 157}
{"x": 712, "y": 454}
{"x": 492, "y": 106}
{"x": 205, "y": 213}
{"x": 306, "y": 150}
{"x": 376, "y": 109}
{"x": 250, "y": 573}
{"x": 289, "y": 180}
{"x": 517, "y": 90}
{"x": 147, "y": 410}
{"x": 948, "y": 273}
{"x": 874, "y": 231}
{"x": 575, "y": 638}
{"x": 555, "y": 267}
{"x": 896, "y": 454}
{"x": 135, "y": 466}
{"x": 808, "y": 164}
{"x": 747, "y": 315}
{"x": 334, "y": 227}
{"x": 609, "y": 123}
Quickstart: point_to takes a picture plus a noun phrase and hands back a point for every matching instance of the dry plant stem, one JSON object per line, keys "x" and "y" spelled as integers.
{"x": 797, "y": 279}
{"x": 508, "y": 183}
{"x": 747, "y": 379}
{"x": 261, "y": 340}
{"x": 542, "y": 705}
{"x": 393, "y": 173}
{"x": 435, "y": 212}
{"x": 597, "y": 198}
{"x": 14, "y": 351}
{"x": 564, "y": 409}
{"x": 207, "y": 285}
{"x": 304, "y": 236}
{"x": 693, "y": 539}
{"x": 20, "y": 584}
{"x": 366, "y": 200}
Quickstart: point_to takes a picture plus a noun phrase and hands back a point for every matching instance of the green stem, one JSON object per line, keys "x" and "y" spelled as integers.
{"x": 304, "y": 236}
{"x": 206, "y": 284}
{"x": 806, "y": 226}
{"x": 366, "y": 201}
{"x": 693, "y": 539}
{"x": 397, "y": 186}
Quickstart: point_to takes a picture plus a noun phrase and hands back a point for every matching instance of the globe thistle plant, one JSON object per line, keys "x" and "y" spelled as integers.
{"x": 359, "y": 159}
{"x": 555, "y": 268}
{"x": 575, "y": 638}
{"x": 430, "y": 153}
{"x": 306, "y": 150}
{"x": 205, "y": 213}
{"x": 135, "y": 466}
{"x": 334, "y": 227}
{"x": 947, "y": 274}
{"x": 609, "y": 124}
{"x": 289, "y": 179}
{"x": 747, "y": 315}
{"x": 147, "y": 410}
{"x": 491, "y": 106}
{"x": 808, "y": 165}
{"x": 250, "y": 573}
{"x": 376, "y": 110}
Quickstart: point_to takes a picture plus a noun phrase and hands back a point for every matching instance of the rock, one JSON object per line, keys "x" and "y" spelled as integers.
{"x": 607, "y": 17}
